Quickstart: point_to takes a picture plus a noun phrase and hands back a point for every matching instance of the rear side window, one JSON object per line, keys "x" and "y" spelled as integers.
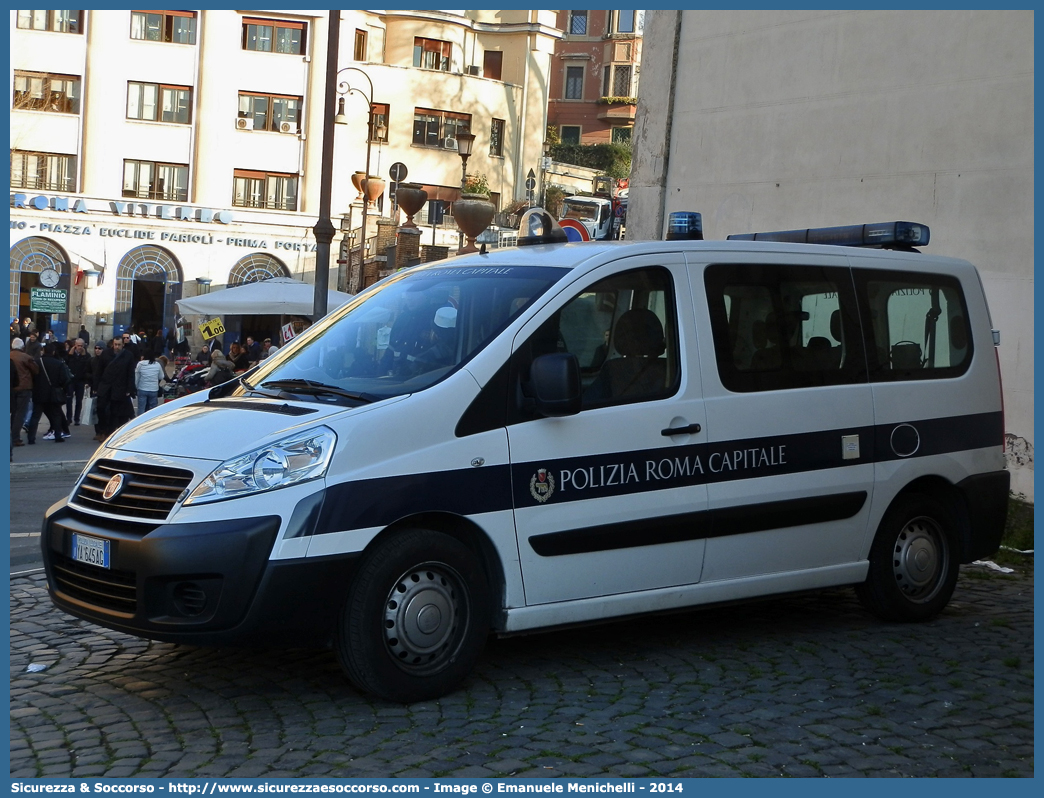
{"x": 779, "y": 327}
{"x": 918, "y": 325}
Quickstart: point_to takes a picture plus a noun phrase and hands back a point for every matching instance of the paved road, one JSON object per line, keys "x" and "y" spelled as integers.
{"x": 800, "y": 686}
{"x": 31, "y": 495}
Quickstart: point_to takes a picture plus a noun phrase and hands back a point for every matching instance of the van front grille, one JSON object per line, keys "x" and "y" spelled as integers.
{"x": 99, "y": 587}
{"x": 148, "y": 492}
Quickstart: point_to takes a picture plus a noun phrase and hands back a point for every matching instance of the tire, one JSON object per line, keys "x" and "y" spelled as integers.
{"x": 416, "y": 617}
{"x": 913, "y": 561}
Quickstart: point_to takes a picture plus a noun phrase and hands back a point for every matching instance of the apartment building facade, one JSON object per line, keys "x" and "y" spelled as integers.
{"x": 158, "y": 154}
{"x": 594, "y": 79}
{"x": 781, "y": 120}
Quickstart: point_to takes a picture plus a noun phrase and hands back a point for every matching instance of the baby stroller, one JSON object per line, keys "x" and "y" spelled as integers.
{"x": 189, "y": 379}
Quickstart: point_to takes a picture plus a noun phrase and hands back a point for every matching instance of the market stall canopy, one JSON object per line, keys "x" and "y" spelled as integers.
{"x": 276, "y": 296}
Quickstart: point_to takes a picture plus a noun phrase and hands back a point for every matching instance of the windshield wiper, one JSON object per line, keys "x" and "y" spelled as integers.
{"x": 312, "y": 387}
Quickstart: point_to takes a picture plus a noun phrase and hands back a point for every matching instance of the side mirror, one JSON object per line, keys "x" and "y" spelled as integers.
{"x": 554, "y": 384}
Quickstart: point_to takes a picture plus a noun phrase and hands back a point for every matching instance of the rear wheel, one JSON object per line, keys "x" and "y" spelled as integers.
{"x": 913, "y": 561}
{"x": 416, "y": 617}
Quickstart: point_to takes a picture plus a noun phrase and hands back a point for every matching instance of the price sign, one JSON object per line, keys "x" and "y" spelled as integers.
{"x": 288, "y": 332}
{"x": 211, "y": 329}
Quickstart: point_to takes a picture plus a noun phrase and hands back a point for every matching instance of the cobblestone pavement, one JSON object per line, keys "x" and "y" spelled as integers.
{"x": 800, "y": 686}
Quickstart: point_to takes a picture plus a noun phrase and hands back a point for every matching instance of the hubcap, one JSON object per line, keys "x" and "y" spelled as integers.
{"x": 422, "y": 617}
{"x": 920, "y": 559}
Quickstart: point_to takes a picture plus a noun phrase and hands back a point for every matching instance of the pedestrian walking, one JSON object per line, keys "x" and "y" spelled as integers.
{"x": 148, "y": 375}
{"x": 49, "y": 384}
{"x": 79, "y": 363}
{"x": 25, "y": 368}
{"x": 115, "y": 390}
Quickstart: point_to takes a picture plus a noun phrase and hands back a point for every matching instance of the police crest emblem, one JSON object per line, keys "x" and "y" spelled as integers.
{"x": 542, "y": 485}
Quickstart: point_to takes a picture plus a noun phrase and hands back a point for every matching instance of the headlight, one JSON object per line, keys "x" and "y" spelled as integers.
{"x": 297, "y": 458}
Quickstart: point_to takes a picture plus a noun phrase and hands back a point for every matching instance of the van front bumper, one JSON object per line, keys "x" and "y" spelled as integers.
{"x": 207, "y": 583}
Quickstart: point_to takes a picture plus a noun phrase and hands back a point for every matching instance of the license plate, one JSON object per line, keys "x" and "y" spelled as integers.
{"x": 93, "y": 551}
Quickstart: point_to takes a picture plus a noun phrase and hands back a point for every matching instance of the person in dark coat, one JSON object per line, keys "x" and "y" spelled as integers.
{"x": 131, "y": 346}
{"x": 101, "y": 358}
{"x": 25, "y": 369}
{"x": 79, "y": 363}
{"x": 84, "y": 336}
{"x": 115, "y": 389}
{"x": 49, "y": 386}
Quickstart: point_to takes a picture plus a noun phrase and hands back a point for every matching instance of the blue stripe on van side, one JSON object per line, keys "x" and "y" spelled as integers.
{"x": 380, "y": 502}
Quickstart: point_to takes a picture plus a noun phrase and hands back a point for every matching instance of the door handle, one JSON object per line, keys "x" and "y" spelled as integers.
{"x": 692, "y": 429}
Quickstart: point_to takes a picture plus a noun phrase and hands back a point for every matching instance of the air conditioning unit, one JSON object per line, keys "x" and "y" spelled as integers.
{"x": 475, "y": 69}
{"x": 245, "y": 123}
{"x": 449, "y": 143}
{"x": 288, "y": 127}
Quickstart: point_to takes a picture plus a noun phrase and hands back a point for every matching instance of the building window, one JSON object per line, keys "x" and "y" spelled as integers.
{"x": 161, "y": 181}
{"x": 621, "y": 135}
{"x": 278, "y": 113}
{"x": 379, "y": 119}
{"x": 621, "y": 81}
{"x": 569, "y": 134}
{"x": 492, "y": 64}
{"x": 625, "y": 21}
{"x": 41, "y": 91}
{"x": 496, "y": 138}
{"x": 156, "y": 102}
{"x": 360, "y": 45}
{"x": 431, "y": 54}
{"x": 264, "y": 190}
{"x": 273, "y": 36}
{"x": 56, "y": 21}
{"x": 164, "y": 26}
{"x": 43, "y": 170}
{"x": 574, "y": 83}
{"x": 578, "y": 23}
{"x": 433, "y": 128}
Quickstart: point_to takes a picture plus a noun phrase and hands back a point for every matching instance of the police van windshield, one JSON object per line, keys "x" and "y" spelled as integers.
{"x": 405, "y": 334}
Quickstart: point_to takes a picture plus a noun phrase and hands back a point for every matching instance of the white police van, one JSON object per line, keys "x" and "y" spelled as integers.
{"x": 556, "y": 434}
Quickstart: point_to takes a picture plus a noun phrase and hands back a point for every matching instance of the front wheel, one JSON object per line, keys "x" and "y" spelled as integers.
{"x": 416, "y": 617}
{"x": 913, "y": 561}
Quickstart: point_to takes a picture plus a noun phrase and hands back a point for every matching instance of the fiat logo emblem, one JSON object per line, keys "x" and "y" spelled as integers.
{"x": 113, "y": 487}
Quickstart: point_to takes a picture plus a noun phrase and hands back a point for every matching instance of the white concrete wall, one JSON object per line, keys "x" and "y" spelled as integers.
{"x": 788, "y": 119}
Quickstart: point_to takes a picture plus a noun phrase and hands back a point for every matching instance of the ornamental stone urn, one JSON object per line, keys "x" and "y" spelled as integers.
{"x": 473, "y": 213}
{"x": 411, "y": 198}
{"x": 372, "y": 187}
{"x": 357, "y": 179}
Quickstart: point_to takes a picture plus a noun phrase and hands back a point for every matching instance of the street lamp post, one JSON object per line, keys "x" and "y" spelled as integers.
{"x": 465, "y": 141}
{"x": 545, "y": 163}
{"x": 324, "y": 229}
{"x": 344, "y": 88}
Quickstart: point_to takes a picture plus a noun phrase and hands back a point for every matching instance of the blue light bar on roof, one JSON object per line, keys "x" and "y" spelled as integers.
{"x": 882, "y": 234}
{"x": 684, "y": 226}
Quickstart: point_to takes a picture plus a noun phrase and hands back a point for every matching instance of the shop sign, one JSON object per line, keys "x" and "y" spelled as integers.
{"x": 48, "y": 300}
{"x": 183, "y": 213}
{"x": 211, "y": 328}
